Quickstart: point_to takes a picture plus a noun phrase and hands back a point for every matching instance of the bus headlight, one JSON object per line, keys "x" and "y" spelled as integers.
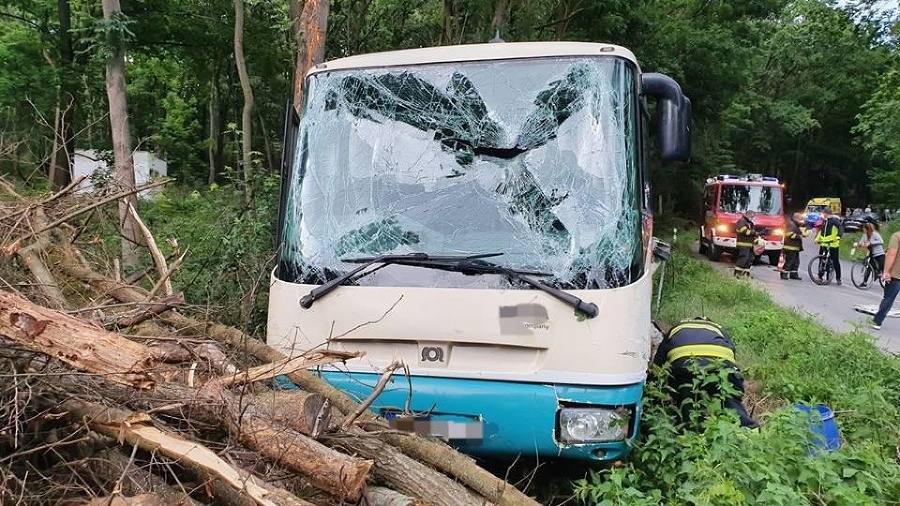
{"x": 585, "y": 425}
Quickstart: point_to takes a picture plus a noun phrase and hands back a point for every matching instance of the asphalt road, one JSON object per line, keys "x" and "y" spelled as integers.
{"x": 831, "y": 305}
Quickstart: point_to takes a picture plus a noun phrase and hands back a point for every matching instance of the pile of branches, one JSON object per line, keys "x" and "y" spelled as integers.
{"x": 112, "y": 393}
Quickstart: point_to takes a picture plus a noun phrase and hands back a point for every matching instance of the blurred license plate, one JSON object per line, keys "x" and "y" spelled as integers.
{"x": 446, "y": 430}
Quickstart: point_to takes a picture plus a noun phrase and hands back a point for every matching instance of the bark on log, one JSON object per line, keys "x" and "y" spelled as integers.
{"x": 381, "y": 496}
{"x": 75, "y": 342}
{"x": 330, "y": 470}
{"x": 139, "y": 500}
{"x": 438, "y": 455}
{"x": 401, "y": 472}
{"x": 304, "y": 412}
{"x": 136, "y": 429}
{"x": 338, "y": 474}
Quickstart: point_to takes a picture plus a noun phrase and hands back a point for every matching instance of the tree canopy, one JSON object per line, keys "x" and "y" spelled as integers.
{"x": 806, "y": 90}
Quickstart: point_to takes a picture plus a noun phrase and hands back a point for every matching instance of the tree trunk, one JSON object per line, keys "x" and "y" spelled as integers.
{"x": 138, "y": 429}
{"x": 241, "y": 62}
{"x": 64, "y": 136}
{"x": 309, "y": 30}
{"x": 501, "y": 12}
{"x": 121, "y": 135}
{"x": 449, "y": 22}
{"x": 76, "y": 342}
{"x": 213, "y": 131}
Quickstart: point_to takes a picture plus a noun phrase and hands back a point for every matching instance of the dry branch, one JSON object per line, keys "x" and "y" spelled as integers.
{"x": 31, "y": 257}
{"x": 283, "y": 367}
{"x": 158, "y": 259}
{"x": 152, "y": 309}
{"x": 15, "y": 245}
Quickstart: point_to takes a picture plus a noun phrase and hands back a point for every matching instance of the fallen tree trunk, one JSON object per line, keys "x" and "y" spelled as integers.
{"x": 75, "y": 342}
{"x": 137, "y": 429}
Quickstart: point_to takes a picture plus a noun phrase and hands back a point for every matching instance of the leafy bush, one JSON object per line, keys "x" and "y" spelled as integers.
{"x": 230, "y": 244}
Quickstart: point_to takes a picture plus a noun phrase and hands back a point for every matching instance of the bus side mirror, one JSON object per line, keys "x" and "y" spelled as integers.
{"x": 673, "y": 112}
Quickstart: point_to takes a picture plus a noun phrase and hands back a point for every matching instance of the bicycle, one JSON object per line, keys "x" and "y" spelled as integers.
{"x": 821, "y": 268}
{"x": 864, "y": 271}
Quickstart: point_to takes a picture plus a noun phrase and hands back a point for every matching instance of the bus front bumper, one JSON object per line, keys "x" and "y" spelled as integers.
{"x": 502, "y": 418}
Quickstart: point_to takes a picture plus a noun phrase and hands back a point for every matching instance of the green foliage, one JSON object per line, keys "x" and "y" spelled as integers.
{"x": 229, "y": 245}
{"x": 793, "y": 360}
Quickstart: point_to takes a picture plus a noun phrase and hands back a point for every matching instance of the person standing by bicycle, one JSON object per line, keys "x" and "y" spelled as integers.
{"x": 793, "y": 245}
{"x": 829, "y": 241}
{"x": 746, "y": 234}
{"x": 872, "y": 239}
{"x": 891, "y": 277}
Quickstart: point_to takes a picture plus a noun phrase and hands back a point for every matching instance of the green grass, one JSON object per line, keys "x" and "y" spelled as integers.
{"x": 792, "y": 359}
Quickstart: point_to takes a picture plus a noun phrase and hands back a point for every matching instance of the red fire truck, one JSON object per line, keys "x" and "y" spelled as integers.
{"x": 726, "y": 198}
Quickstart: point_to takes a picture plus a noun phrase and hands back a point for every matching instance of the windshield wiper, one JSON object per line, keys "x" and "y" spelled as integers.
{"x": 409, "y": 259}
{"x": 477, "y": 266}
{"x": 465, "y": 264}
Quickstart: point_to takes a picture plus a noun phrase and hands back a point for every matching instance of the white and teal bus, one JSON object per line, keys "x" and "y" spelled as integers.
{"x": 482, "y": 214}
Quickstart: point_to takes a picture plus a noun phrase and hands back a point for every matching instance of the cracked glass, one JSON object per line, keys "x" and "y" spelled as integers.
{"x": 534, "y": 158}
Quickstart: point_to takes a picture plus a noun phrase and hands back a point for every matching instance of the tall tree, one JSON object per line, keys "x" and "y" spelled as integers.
{"x": 309, "y": 27}
{"x": 64, "y": 138}
{"x": 118, "y": 120}
{"x": 246, "y": 88}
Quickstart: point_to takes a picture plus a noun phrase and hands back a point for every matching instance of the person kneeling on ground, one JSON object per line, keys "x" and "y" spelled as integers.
{"x": 696, "y": 348}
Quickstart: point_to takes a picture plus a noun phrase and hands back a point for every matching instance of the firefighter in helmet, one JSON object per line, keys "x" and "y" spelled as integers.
{"x": 746, "y": 235}
{"x": 698, "y": 347}
{"x": 793, "y": 245}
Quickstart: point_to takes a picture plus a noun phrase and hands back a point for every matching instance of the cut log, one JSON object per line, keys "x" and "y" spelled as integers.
{"x": 75, "y": 342}
{"x": 304, "y": 412}
{"x": 137, "y": 429}
{"x": 330, "y": 470}
{"x": 402, "y": 473}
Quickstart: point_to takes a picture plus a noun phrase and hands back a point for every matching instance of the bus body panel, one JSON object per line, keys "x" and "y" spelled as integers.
{"x": 512, "y": 417}
{"x": 538, "y": 337}
{"x": 473, "y": 52}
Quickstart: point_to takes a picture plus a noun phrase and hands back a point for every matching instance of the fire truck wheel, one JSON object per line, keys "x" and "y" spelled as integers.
{"x": 774, "y": 257}
{"x": 714, "y": 253}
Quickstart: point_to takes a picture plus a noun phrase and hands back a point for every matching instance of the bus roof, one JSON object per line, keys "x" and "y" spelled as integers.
{"x": 474, "y": 52}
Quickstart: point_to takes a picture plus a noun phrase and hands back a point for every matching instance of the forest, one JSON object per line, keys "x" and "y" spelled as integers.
{"x": 804, "y": 90}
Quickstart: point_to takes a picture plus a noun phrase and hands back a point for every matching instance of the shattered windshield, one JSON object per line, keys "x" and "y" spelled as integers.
{"x": 740, "y": 198}
{"x": 535, "y": 158}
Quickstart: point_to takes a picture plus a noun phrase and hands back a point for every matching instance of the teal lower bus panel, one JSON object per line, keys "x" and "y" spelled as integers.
{"x": 491, "y": 418}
